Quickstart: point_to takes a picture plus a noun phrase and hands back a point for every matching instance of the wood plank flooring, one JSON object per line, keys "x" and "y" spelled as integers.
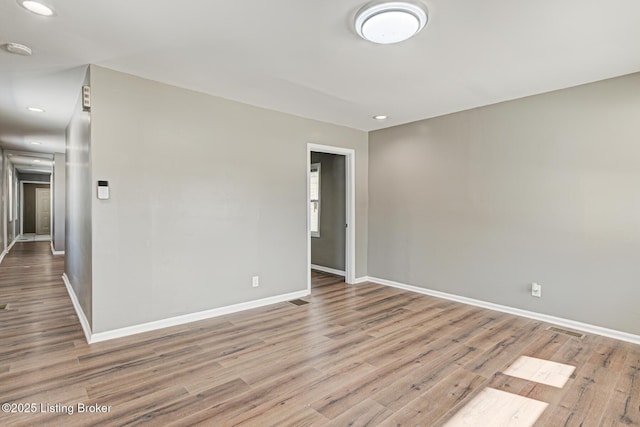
{"x": 355, "y": 355}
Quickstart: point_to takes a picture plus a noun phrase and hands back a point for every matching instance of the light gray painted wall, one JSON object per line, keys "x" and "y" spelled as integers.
{"x": 40, "y": 177}
{"x": 205, "y": 193}
{"x": 328, "y": 250}
{"x": 79, "y": 191}
{"x": 546, "y": 189}
{"x": 59, "y": 200}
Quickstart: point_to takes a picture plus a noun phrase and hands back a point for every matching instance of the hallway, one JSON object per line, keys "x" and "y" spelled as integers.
{"x": 355, "y": 354}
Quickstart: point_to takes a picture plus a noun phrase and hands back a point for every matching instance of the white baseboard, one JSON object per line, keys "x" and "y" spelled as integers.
{"x": 6, "y": 251}
{"x": 193, "y": 317}
{"x": 53, "y": 251}
{"x": 327, "y": 270}
{"x": 361, "y": 280}
{"x": 567, "y": 323}
{"x": 14, "y": 242}
{"x": 86, "y": 328}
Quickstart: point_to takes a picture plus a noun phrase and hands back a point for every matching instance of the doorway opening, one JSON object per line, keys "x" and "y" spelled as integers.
{"x": 330, "y": 211}
{"x": 35, "y": 211}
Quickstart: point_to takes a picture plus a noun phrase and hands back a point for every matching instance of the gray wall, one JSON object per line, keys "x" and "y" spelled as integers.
{"x": 79, "y": 191}
{"x": 328, "y": 250}
{"x": 205, "y": 193}
{"x": 545, "y": 189}
{"x": 59, "y": 200}
{"x": 29, "y": 207}
{"x": 40, "y": 177}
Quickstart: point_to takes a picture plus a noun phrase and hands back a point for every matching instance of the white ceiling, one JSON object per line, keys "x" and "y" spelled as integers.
{"x": 30, "y": 162}
{"x": 304, "y": 57}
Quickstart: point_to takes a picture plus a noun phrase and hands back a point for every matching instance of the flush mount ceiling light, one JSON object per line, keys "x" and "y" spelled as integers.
{"x": 37, "y": 7}
{"x": 35, "y": 143}
{"x": 380, "y": 117}
{"x": 387, "y": 22}
{"x": 35, "y": 109}
{"x": 18, "y": 49}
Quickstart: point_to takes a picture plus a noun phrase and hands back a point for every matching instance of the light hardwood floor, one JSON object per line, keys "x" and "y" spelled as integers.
{"x": 355, "y": 355}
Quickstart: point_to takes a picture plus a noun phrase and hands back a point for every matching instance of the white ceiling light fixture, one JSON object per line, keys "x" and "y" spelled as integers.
{"x": 36, "y": 161}
{"x": 37, "y": 7}
{"x": 35, "y": 143}
{"x": 380, "y": 117}
{"x": 36, "y": 109}
{"x": 18, "y": 49}
{"x": 387, "y": 22}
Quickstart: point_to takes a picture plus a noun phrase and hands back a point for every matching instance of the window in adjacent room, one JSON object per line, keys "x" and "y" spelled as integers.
{"x": 314, "y": 198}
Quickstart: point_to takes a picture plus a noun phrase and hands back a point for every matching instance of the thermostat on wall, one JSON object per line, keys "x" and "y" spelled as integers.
{"x": 103, "y": 190}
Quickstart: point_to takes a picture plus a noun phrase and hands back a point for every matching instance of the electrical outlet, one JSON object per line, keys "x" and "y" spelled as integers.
{"x": 255, "y": 281}
{"x": 536, "y": 290}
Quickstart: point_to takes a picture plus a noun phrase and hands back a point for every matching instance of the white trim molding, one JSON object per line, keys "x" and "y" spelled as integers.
{"x": 362, "y": 279}
{"x": 53, "y": 250}
{"x": 567, "y": 323}
{"x": 86, "y": 327}
{"x": 327, "y": 270}
{"x": 350, "y": 208}
{"x": 6, "y": 251}
{"x": 14, "y": 242}
{"x": 172, "y": 321}
{"x": 22, "y": 183}
{"x": 193, "y": 317}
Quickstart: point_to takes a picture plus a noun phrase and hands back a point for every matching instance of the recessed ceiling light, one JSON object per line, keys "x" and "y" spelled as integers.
{"x": 36, "y": 143}
{"x": 37, "y": 7}
{"x": 18, "y": 49}
{"x": 380, "y": 117}
{"x": 387, "y": 22}
{"x": 36, "y": 109}
{"x": 36, "y": 161}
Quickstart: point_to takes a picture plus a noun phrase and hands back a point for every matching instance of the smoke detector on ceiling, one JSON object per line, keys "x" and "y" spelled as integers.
{"x": 18, "y": 49}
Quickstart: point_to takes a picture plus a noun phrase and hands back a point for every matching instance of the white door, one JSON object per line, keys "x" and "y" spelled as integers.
{"x": 43, "y": 211}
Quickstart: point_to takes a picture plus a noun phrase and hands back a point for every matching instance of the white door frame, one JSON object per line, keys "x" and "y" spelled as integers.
{"x": 350, "y": 207}
{"x": 22, "y": 202}
{"x": 5, "y": 202}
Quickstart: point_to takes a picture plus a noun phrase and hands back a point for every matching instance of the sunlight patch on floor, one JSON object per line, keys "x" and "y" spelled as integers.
{"x": 493, "y": 408}
{"x": 541, "y": 371}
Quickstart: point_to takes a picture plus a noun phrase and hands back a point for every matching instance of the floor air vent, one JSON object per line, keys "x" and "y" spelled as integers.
{"x": 299, "y": 302}
{"x": 579, "y": 335}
